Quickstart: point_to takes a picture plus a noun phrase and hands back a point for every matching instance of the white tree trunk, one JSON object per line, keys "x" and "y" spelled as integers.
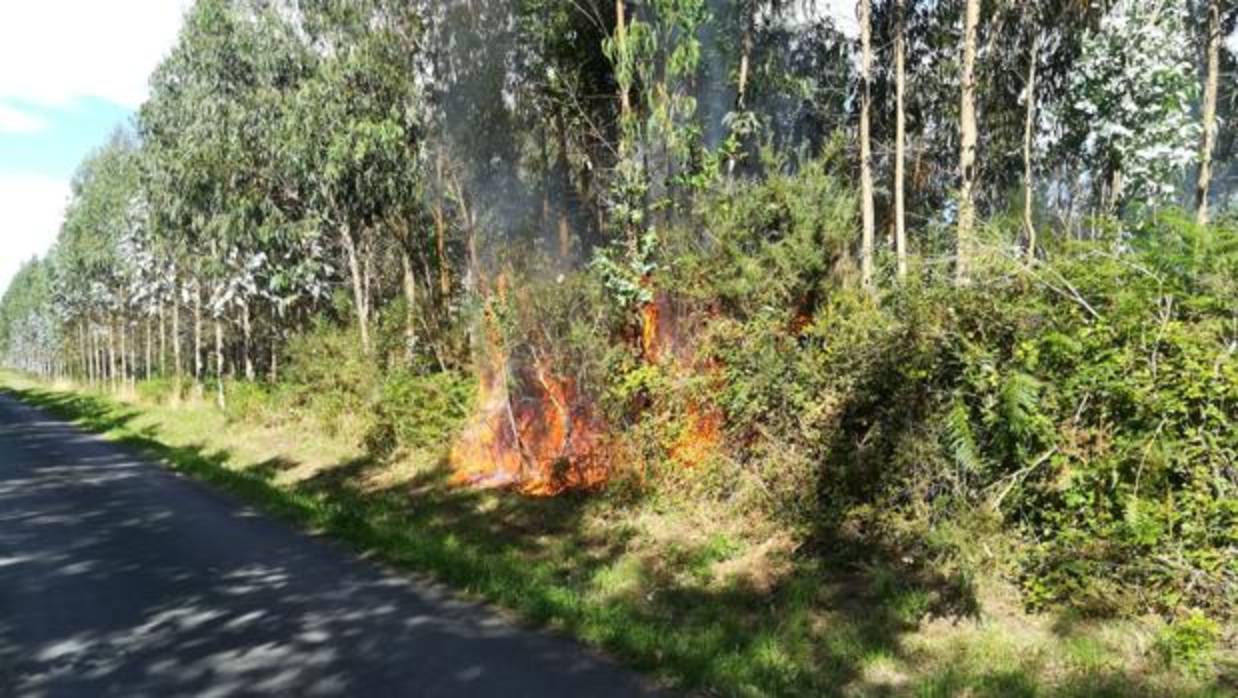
{"x": 358, "y": 287}
{"x": 247, "y": 348}
{"x": 197, "y": 333}
{"x": 867, "y": 213}
{"x": 219, "y": 362}
{"x": 1029, "y": 132}
{"x": 967, "y": 149}
{"x": 1209, "y": 116}
{"x": 900, "y": 136}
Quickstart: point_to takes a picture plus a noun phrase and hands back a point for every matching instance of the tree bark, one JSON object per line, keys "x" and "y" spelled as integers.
{"x": 358, "y": 286}
{"x": 440, "y": 230}
{"x": 1029, "y": 130}
{"x": 124, "y": 354}
{"x": 967, "y": 150}
{"x": 197, "y": 333}
{"x": 621, "y": 43}
{"x": 1208, "y": 140}
{"x": 219, "y": 363}
{"x": 246, "y": 347}
{"x": 410, "y": 300}
{"x": 111, "y": 352}
{"x": 564, "y": 178}
{"x": 867, "y": 213}
{"x": 163, "y": 341}
{"x": 176, "y": 338}
{"x": 81, "y": 349}
{"x": 900, "y": 135}
{"x": 149, "y": 347}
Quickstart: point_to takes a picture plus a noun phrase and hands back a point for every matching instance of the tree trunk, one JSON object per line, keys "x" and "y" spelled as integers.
{"x": 81, "y": 349}
{"x": 197, "y": 333}
{"x": 900, "y": 135}
{"x": 246, "y": 347}
{"x": 440, "y": 231}
{"x": 146, "y": 365}
{"x": 176, "y": 339}
{"x": 219, "y": 363}
{"x": 358, "y": 287}
{"x": 1029, "y": 129}
{"x": 111, "y": 352}
{"x": 274, "y": 362}
{"x": 89, "y": 354}
{"x": 745, "y": 56}
{"x": 564, "y": 177}
{"x": 1208, "y": 141}
{"x": 410, "y": 299}
{"x": 867, "y": 213}
{"x": 125, "y": 365}
{"x": 163, "y": 342}
{"x": 621, "y": 43}
{"x": 967, "y": 149}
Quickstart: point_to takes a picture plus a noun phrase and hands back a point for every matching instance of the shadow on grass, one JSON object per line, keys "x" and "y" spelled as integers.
{"x": 813, "y": 635}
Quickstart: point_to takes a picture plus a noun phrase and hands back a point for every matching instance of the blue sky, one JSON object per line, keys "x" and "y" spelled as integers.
{"x": 64, "y": 134}
{"x": 71, "y": 71}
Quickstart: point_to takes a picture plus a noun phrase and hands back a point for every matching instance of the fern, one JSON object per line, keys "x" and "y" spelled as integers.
{"x": 1020, "y": 405}
{"x": 962, "y": 439}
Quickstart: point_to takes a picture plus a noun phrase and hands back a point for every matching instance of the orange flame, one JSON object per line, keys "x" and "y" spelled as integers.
{"x": 531, "y": 432}
{"x": 700, "y": 437}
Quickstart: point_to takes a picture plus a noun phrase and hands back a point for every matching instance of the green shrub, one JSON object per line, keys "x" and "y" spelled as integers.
{"x": 158, "y": 391}
{"x": 417, "y": 411}
{"x": 1087, "y": 403}
{"x": 328, "y": 378}
{"x": 247, "y": 401}
{"x": 1188, "y": 644}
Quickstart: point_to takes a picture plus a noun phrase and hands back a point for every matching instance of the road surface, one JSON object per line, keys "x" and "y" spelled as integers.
{"x": 120, "y": 578}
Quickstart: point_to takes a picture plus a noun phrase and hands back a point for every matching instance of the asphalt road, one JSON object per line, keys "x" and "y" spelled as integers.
{"x": 120, "y": 578}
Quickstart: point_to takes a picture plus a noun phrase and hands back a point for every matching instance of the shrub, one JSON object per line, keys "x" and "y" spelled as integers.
{"x": 1087, "y": 402}
{"x": 247, "y": 401}
{"x": 1188, "y": 644}
{"x": 418, "y": 411}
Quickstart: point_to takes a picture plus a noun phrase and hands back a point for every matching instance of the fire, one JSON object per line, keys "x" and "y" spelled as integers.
{"x": 701, "y": 434}
{"x": 531, "y": 431}
{"x": 700, "y": 437}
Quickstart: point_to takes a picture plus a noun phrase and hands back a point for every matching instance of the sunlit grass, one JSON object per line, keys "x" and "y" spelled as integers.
{"x": 664, "y": 591}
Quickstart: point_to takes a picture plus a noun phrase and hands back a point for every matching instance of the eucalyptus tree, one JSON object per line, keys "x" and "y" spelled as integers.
{"x": 29, "y": 331}
{"x": 1212, "y": 40}
{"x": 1130, "y": 111}
{"x": 867, "y": 212}
{"x": 226, "y": 201}
{"x": 353, "y": 135}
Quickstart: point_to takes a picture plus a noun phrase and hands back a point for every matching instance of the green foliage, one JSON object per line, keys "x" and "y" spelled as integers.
{"x": 161, "y": 391}
{"x": 248, "y": 401}
{"x": 1188, "y": 643}
{"x": 327, "y": 378}
{"x": 1087, "y": 403}
{"x": 418, "y": 411}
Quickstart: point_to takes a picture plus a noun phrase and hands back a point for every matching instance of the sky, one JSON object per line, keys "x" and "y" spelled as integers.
{"x": 71, "y": 72}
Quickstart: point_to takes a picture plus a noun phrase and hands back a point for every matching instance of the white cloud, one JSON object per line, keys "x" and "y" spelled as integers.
{"x": 31, "y": 210}
{"x": 55, "y": 51}
{"x": 17, "y": 121}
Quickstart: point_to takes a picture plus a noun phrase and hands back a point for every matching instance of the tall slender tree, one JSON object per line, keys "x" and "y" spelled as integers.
{"x": 967, "y": 146}
{"x": 1209, "y": 110}
{"x": 867, "y": 212}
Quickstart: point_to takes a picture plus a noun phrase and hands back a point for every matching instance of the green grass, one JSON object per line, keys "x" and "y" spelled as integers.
{"x": 668, "y": 592}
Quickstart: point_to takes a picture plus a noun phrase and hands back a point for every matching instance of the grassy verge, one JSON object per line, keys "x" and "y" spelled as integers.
{"x": 726, "y": 606}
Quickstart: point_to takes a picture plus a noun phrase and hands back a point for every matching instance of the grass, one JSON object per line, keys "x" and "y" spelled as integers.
{"x": 705, "y": 603}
